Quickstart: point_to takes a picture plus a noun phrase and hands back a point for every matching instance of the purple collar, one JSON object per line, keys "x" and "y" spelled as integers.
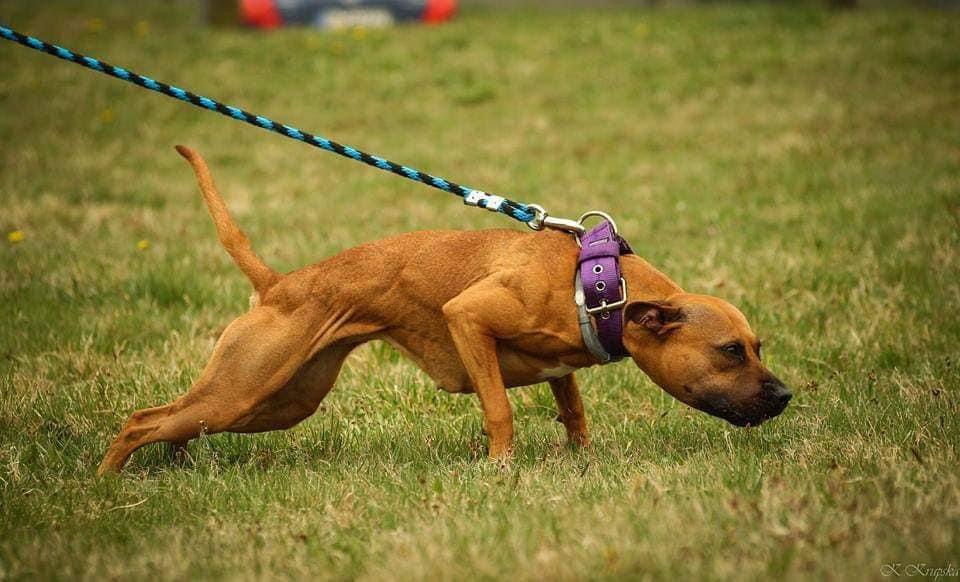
{"x": 601, "y": 291}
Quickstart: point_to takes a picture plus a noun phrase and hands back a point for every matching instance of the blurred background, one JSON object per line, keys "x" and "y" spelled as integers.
{"x": 799, "y": 159}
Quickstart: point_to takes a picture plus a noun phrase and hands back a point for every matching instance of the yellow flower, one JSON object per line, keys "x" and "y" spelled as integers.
{"x": 143, "y": 244}
{"x": 142, "y": 28}
{"x": 359, "y": 32}
{"x": 94, "y": 25}
{"x": 106, "y": 116}
{"x": 15, "y": 236}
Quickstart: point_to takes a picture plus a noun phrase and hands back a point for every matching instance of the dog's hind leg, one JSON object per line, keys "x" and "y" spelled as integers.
{"x": 298, "y": 399}
{"x": 570, "y": 407}
{"x": 300, "y": 396}
{"x": 253, "y": 361}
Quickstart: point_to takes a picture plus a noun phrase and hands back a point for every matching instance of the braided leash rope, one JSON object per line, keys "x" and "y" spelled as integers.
{"x": 516, "y": 210}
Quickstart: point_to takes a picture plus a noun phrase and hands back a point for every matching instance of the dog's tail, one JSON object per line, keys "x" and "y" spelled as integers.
{"x": 231, "y": 237}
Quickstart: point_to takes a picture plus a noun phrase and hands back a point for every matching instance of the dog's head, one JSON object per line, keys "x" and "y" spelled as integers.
{"x": 702, "y": 351}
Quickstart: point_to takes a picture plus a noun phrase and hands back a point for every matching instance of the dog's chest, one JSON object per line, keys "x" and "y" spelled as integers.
{"x": 557, "y": 371}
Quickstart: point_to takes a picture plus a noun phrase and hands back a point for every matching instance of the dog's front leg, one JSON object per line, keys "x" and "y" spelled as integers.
{"x": 474, "y": 327}
{"x": 567, "y": 394}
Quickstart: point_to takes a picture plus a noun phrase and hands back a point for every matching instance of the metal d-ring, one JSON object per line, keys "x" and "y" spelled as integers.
{"x": 602, "y": 215}
{"x": 599, "y": 213}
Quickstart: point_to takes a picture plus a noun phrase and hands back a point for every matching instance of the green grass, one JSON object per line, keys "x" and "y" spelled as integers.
{"x": 798, "y": 162}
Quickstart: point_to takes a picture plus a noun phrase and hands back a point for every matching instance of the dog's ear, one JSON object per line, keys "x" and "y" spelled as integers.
{"x": 658, "y": 317}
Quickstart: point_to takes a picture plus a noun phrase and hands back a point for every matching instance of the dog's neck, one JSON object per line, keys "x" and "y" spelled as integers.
{"x": 644, "y": 282}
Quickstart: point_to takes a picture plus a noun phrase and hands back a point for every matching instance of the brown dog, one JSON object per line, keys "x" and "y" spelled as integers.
{"x": 477, "y": 311}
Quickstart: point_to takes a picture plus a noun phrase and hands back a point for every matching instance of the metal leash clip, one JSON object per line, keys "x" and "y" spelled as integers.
{"x": 543, "y": 220}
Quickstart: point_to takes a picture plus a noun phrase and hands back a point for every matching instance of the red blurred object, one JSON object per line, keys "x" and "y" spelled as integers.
{"x": 342, "y": 13}
{"x": 260, "y": 13}
{"x": 439, "y": 10}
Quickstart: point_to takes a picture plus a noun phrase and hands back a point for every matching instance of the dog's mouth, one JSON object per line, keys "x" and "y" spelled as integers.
{"x": 720, "y": 406}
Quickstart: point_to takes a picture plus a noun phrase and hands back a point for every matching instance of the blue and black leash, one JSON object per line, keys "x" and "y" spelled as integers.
{"x": 532, "y": 214}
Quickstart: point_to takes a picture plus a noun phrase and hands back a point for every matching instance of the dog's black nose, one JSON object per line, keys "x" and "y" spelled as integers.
{"x": 783, "y": 395}
{"x": 778, "y": 393}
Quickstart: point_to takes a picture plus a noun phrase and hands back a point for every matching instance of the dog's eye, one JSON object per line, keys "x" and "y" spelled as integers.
{"x": 735, "y": 350}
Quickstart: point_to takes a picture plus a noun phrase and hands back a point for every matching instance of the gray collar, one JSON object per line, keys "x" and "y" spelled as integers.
{"x": 587, "y": 331}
